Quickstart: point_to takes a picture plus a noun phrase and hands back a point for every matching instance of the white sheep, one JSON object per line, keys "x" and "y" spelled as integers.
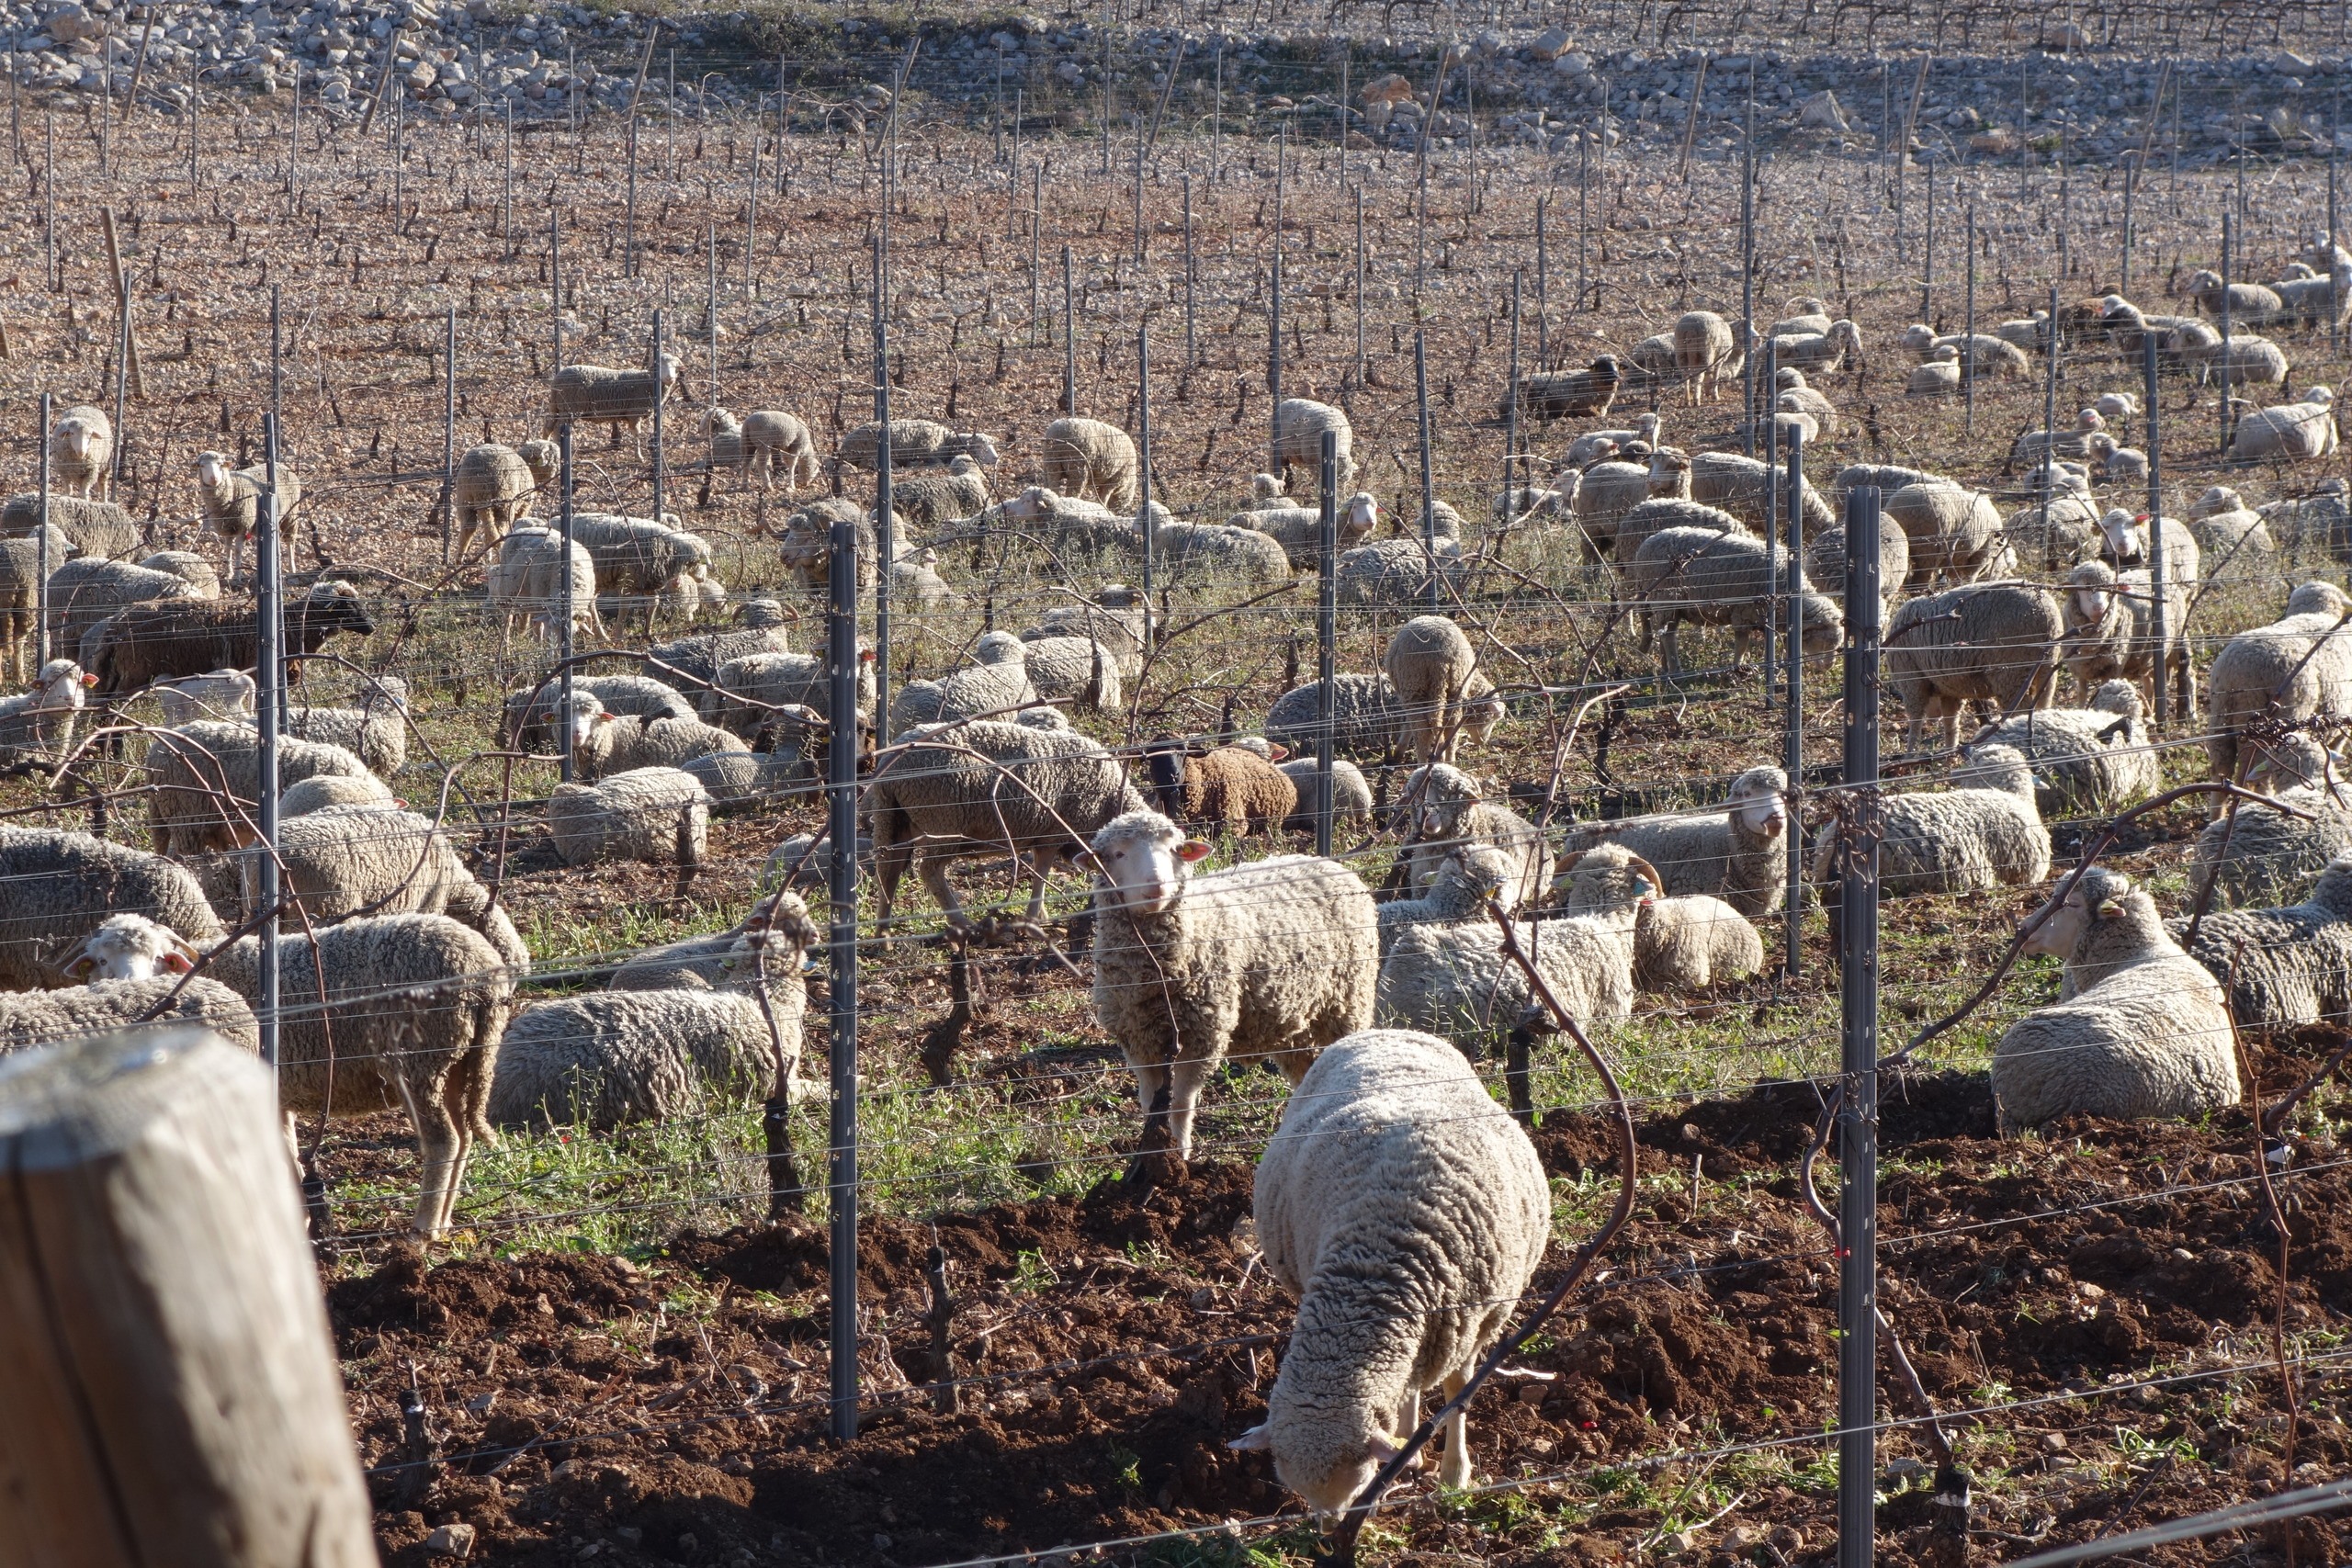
{"x": 596, "y": 394}
{"x": 1466, "y": 879}
{"x": 2261, "y": 856}
{"x": 763, "y": 440}
{"x": 527, "y": 578}
{"x": 37, "y": 725}
{"x": 492, "y": 486}
{"x": 2297, "y": 669}
{"x": 231, "y": 500}
{"x": 2099, "y": 758}
{"x": 2287, "y": 433}
{"x": 1299, "y": 427}
{"x": 2285, "y": 965}
{"x": 1451, "y": 812}
{"x": 1739, "y": 854}
{"x": 605, "y": 743}
{"x": 223, "y": 694}
{"x": 1090, "y": 460}
{"x": 81, "y": 452}
{"x": 1984, "y": 832}
{"x": 660, "y": 816}
{"x": 1430, "y": 666}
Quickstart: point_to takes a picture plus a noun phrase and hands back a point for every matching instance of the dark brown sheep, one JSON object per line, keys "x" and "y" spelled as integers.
{"x": 1574, "y": 394}
{"x": 171, "y": 637}
{"x": 1230, "y": 788}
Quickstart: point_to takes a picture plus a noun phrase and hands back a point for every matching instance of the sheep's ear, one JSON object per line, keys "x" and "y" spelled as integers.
{"x": 1277, "y": 753}
{"x": 80, "y": 968}
{"x": 1193, "y": 850}
{"x": 1253, "y": 1441}
{"x": 178, "y": 960}
{"x": 89, "y": 679}
{"x": 1381, "y": 1448}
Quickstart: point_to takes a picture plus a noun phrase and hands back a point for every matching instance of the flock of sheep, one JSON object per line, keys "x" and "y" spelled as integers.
{"x": 401, "y": 971}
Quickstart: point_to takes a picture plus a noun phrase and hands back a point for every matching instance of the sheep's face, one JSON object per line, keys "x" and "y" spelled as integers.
{"x": 77, "y": 438}
{"x": 2064, "y": 921}
{"x": 211, "y": 469}
{"x": 1000, "y": 647}
{"x": 130, "y": 947}
{"x": 1322, "y": 1460}
{"x": 580, "y": 721}
{"x": 1361, "y": 518}
{"x": 1031, "y": 504}
{"x": 1825, "y": 624}
{"x": 983, "y": 451}
{"x": 2087, "y": 606}
{"x": 60, "y": 684}
{"x": 1761, "y": 810}
{"x": 1142, "y": 867}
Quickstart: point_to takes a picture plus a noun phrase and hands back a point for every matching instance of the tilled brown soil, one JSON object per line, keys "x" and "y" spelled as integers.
{"x": 1107, "y": 1347}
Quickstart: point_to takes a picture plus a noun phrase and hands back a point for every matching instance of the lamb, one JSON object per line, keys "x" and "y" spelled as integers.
{"x": 100, "y": 529}
{"x": 2110, "y": 631}
{"x": 997, "y": 683}
{"x": 530, "y": 720}
{"x": 2287, "y": 433}
{"x": 763, "y": 441}
{"x": 1466, "y": 878}
{"x": 375, "y": 731}
{"x": 1267, "y": 492}
{"x": 1299, "y": 529}
{"x": 1229, "y": 787}
{"x": 61, "y": 887}
{"x": 1299, "y": 427}
{"x": 916, "y": 443}
{"x": 401, "y": 1009}
{"x": 491, "y": 489}
{"x": 2267, "y": 856}
{"x": 1451, "y": 813}
{"x": 1090, "y": 460}
{"x": 85, "y": 592}
{"x": 597, "y": 394}
{"x": 2247, "y": 304}
{"x": 2297, "y": 669}
{"x": 144, "y": 643}
{"x": 221, "y": 694}
{"x": 1702, "y": 347}
{"x": 1456, "y": 981}
{"x": 81, "y": 453}
{"x": 1074, "y": 669}
{"x": 1118, "y": 617}
{"x": 2089, "y": 760}
{"x": 341, "y": 860}
{"x": 320, "y": 790}
{"x": 603, "y": 743}
{"x": 1732, "y": 579}
{"x": 660, "y": 816}
{"x": 1397, "y": 571}
{"x": 2142, "y": 1030}
{"x": 1819, "y": 350}
{"x": 1796, "y": 394}
{"x": 231, "y": 500}
{"x": 2234, "y": 543}
{"x": 935, "y": 498}
{"x": 1740, "y": 854}
{"x": 2285, "y": 965}
{"x": 37, "y": 727}
{"x": 1984, "y": 831}
{"x": 530, "y": 578}
{"x": 1276, "y": 958}
{"x": 1994, "y": 642}
{"x": 1407, "y": 1213}
{"x": 751, "y": 689}
{"x": 203, "y": 788}
{"x": 1955, "y": 533}
{"x": 1433, "y": 670}
{"x": 1572, "y": 394}
{"x": 986, "y": 788}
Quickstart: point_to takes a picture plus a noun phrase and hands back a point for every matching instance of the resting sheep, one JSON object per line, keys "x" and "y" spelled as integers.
{"x": 2285, "y": 966}
{"x": 1984, "y": 832}
{"x": 61, "y": 887}
{"x": 2297, "y": 669}
{"x": 2287, "y": 433}
{"x": 1739, "y": 854}
{"x": 1451, "y": 811}
{"x": 2263, "y": 855}
{"x": 204, "y": 783}
{"x": 660, "y": 816}
{"x": 916, "y": 443}
{"x": 2095, "y": 759}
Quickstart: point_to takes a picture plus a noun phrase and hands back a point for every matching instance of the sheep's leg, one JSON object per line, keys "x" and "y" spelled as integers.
{"x": 438, "y": 1143}
{"x": 1453, "y": 1468}
{"x": 1187, "y": 1078}
{"x": 932, "y": 868}
{"x": 1040, "y": 865}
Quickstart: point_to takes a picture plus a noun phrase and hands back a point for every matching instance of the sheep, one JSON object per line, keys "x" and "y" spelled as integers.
{"x": 2234, "y": 543}
{"x": 1118, "y": 617}
{"x": 1807, "y": 313}
{"x": 1819, "y": 350}
{"x": 1351, "y": 794}
{"x": 203, "y": 783}
{"x": 660, "y": 816}
{"x": 375, "y": 731}
{"x": 37, "y": 727}
{"x": 753, "y": 688}
{"x": 637, "y": 555}
{"x": 81, "y": 453}
{"x": 1994, "y": 355}
{"x": 2297, "y": 669}
{"x": 61, "y": 886}
{"x": 1090, "y": 460}
{"x": 530, "y": 719}
{"x": 1825, "y": 557}
{"x": 1229, "y": 787}
{"x": 1693, "y": 943}
{"x": 1610, "y": 491}
{"x": 2092, "y": 760}
{"x": 341, "y": 860}
{"x": 1397, "y": 571}
{"x": 916, "y": 443}
{"x": 144, "y": 643}
{"x": 231, "y": 500}
{"x": 320, "y": 790}
{"x": 1984, "y": 831}
{"x": 1074, "y": 669}
{"x": 2031, "y": 446}
{"x": 2142, "y": 1030}
{"x": 1393, "y": 1177}
{"x": 603, "y": 744}
{"x": 1451, "y": 812}
{"x": 1885, "y": 477}
{"x": 85, "y": 592}
{"x": 2248, "y": 304}
{"x": 220, "y": 693}
{"x": 1198, "y": 555}
{"x": 691, "y": 663}
{"x": 20, "y": 589}
{"x": 1703, "y": 346}
{"x": 2245, "y": 360}
{"x": 404, "y": 1007}
{"x": 1366, "y": 721}
{"x": 806, "y": 542}
{"x": 490, "y": 489}
{"x": 603, "y": 1061}
{"x": 1299, "y": 529}
{"x": 1300, "y": 425}
{"x": 2264, "y": 856}
{"x": 1751, "y": 490}
{"x": 710, "y": 963}
{"x": 545, "y": 459}
{"x": 1794, "y": 393}
{"x": 985, "y": 788}
{"x": 2029, "y": 333}
{"x": 597, "y": 394}
{"x": 1739, "y": 854}
{"x": 1466, "y": 879}
{"x": 2110, "y": 631}
{"x": 2319, "y": 518}
{"x": 98, "y": 529}
{"x": 1654, "y": 516}
{"x": 2315, "y": 300}
{"x": 1267, "y": 494}
{"x": 1992, "y": 642}
{"x": 1734, "y": 580}
{"x": 1075, "y": 533}
{"x": 1273, "y": 959}
{"x": 34, "y": 1019}
{"x": 2116, "y": 462}
{"x": 1456, "y": 981}
{"x": 2286, "y": 433}
{"x": 528, "y": 578}
{"x": 763, "y": 441}
{"x": 996, "y": 682}
{"x": 935, "y": 498}
{"x": 1572, "y": 394}
{"x": 2284, "y": 965}
{"x": 1955, "y": 533}
{"x": 1431, "y": 667}
{"x": 1595, "y": 444}
{"x": 2062, "y": 532}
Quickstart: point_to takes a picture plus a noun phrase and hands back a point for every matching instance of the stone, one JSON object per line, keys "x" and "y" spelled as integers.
{"x": 1821, "y": 112}
{"x": 1551, "y": 44}
{"x": 451, "y": 1540}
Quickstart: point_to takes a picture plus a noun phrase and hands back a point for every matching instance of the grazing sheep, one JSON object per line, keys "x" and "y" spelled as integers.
{"x": 37, "y": 727}
{"x": 1090, "y": 460}
{"x": 545, "y": 459}
{"x": 1750, "y": 490}
{"x": 2285, "y": 965}
{"x": 2142, "y": 1030}
{"x": 1075, "y": 670}
{"x": 916, "y": 443}
{"x": 29, "y": 1020}
{"x": 603, "y": 743}
{"x": 996, "y": 682}
{"x": 492, "y": 488}
{"x": 20, "y": 591}
{"x": 2244, "y": 361}
{"x": 528, "y": 578}
{"x": 1454, "y": 980}
{"x": 1702, "y": 347}
{"x": 1955, "y": 533}
{"x": 2116, "y": 463}
{"x": 597, "y": 394}
{"x": 1398, "y": 571}
{"x": 341, "y": 860}
{"x": 2089, "y": 760}
{"x": 1983, "y": 832}
{"x": 1721, "y": 579}
{"x": 203, "y": 788}
{"x": 2308, "y": 299}
{"x": 1653, "y": 517}
{"x": 763, "y": 441}
{"x": 986, "y": 788}
{"x": 1572, "y": 394}
{"x": 2246, "y": 304}
{"x": 2287, "y": 433}
{"x": 231, "y": 500}
{"x": 751, "y": 690}
{"x": 1299, "y": 529}
{"x": 144, "y": 643}
{"x": 2110, "y": 632}
{"x": 637, "y": 555}
{"x": 1299, "y": 428}
{"x": 1229, "y": 787}
{"x": 84, "y": 593}
{"x": 1824, "y": 558}
{"x": 99, "y": 530}
{"x": 1451, "y": 811}
{"x": 1273, "y": 959}
{"x": 1819, "y": 350}
{"x": 320, "y": 790}
{"x": 61, "y": 886}
{"x": 2297, "y": 669}
{"x": 375, "y": 731}
{"x": 659, "y": 815}
{"x": 1366, "y": 722}
{"x": 81, "y": 453}
{"x": 1609, "y": 493}
{"x": 2265, "y": 856}
{"x": 530, "y": 722}
{"x": 1740, "y": 854}
{"x": 1466, "y": 878}
{"x": 1200, "y": 555}
{"x": 220, "y": 693}
{"x": 1995, "y": 642}
{"x": 935, "y": 498}
{"x": 1393, "y": 1177}
{"x": 1433, "y": 671}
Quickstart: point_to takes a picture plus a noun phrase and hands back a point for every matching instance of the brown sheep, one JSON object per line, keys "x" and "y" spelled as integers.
{"x": 1572, "y": 394}
{"x": 170, "y": 638}
{"x": 1229, "y": 787}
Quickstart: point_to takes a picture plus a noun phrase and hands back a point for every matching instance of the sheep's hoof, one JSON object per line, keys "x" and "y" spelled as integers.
{"x": 1153, "y": 1167}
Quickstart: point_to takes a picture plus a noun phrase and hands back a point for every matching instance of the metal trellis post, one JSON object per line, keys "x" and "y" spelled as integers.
{"x": 564, "y": 623}
{"x": 884, "y": 531}
{"x": 2156, "y": 532}
{"x": 1326, "y": 606}
{"x": 40, "y": 609}
{"x": 1145, "y": 527}
{"x": 842, "y": 1145}
{"x": 1429, "y": 480}
{"x": 661, "y": 396}
{"x": 448, "y": 429}
{"x": 1857, "y": 1122}
{"x": 269, "y": 717}
{"x": 1794, "y": 496}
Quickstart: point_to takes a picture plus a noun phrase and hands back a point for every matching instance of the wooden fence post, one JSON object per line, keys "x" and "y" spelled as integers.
{"x": 168, "y": 1389}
